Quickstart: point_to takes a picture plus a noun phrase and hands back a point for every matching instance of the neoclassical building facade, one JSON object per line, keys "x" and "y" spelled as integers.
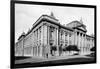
{"x": 47, "y": 32}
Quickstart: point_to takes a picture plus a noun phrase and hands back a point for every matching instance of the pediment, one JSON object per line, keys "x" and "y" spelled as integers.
{"x": 82, "y": 28}
{"x": 74, "y": 24}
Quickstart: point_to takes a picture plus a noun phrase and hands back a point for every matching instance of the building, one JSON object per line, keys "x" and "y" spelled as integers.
{"x": 47, "y": 36}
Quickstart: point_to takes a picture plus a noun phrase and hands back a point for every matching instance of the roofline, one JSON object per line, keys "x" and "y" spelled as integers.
{"x": 79, "y": 29}
{"x": 43, "y": 18}
{"x": 21, "y": 36}
{"x": 78, "y": 21}
{"x": 66, "y": 27}
{"x": 90, "y": 36}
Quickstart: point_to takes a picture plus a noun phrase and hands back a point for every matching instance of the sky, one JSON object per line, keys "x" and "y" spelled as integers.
{"x": 26, "y": 15}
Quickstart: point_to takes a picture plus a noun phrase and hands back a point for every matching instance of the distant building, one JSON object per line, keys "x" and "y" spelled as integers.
{"x": 47, "y": 33}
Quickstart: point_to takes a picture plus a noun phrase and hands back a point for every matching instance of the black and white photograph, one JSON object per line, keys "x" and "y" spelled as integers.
{"x": 52, "y": 34}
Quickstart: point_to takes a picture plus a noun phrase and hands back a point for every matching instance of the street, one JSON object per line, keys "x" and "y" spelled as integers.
{"x": 66, "y": 60}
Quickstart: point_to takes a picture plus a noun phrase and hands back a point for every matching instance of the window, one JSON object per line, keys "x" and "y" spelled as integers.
{"x": 81, "y": 34}
{"x": 61, "y": 34}
{"x": 70, "y": 35}
{"x": 84, "y": 35}
{"x": 77, "y": 33}
{"x": 66, "y": 36}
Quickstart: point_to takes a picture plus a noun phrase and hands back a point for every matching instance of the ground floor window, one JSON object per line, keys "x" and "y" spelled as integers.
{"x": 38, "y": 50}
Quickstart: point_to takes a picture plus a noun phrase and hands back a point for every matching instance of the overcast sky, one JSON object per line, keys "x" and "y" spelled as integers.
{"x": 26, "y": 15}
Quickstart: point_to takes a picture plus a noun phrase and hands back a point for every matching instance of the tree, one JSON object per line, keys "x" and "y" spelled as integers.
{"x": 72, "y": 48}
{"x": 92, "y": 49}
{"x": 64, "y": 49}
{"x": 54, "y": 48}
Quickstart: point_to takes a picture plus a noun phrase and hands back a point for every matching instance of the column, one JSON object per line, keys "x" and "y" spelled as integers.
{"x": 37, "y": 40}
{"x": 80, "y": 45}
{"x": 91, "y": 44}
{"x": 37, "y": 50}
{"x": 82, "y": 42}
{"x": 64, "y": 38}
{"x": 85, "y": 43}
{"x": 68, "y": 39}
{"x": 79, "y": 40}
{"x": 58, "y": 31}
{"x": 41, "y": 47}
{"x": 45, "y": 35}
{"x": 75, "y": 39}
{"x": 48, "y": 43}
{"x": 54, "y": 36}
{"x": 48, "y": 34}
{"x": 57, "y": 42}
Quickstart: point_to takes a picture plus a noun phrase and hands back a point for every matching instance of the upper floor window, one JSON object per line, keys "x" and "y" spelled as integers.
{"x": 84, "y": 35}
{"x": 39, "y": 32}
{"x": 70, "y": 35}
{"x": 61, "y": 34}
{"x": 51, "y": 32}
{"x": 66, "y": 34}
{"x": 77, "y": 33}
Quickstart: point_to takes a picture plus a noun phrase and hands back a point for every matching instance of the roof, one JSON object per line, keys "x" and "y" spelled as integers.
{"x": 77, "y": 25}
{"x": 90, "y": 36}
{"x": 48, "y": 18}
{"x": 22, "y": 35}
{"x": 52, "y": 19}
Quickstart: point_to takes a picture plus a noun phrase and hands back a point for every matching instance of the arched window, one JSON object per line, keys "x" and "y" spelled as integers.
{"x": 77, "y": 33}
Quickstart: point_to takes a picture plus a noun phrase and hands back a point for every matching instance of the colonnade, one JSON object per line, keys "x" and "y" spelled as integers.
{"x": 42, "y": 39}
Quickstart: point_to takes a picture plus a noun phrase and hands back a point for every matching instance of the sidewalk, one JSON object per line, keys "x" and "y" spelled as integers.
{"x": 41, "y": 59}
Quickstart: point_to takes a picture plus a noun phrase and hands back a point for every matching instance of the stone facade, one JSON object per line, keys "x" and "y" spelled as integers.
{"x": 48, "y": 34}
